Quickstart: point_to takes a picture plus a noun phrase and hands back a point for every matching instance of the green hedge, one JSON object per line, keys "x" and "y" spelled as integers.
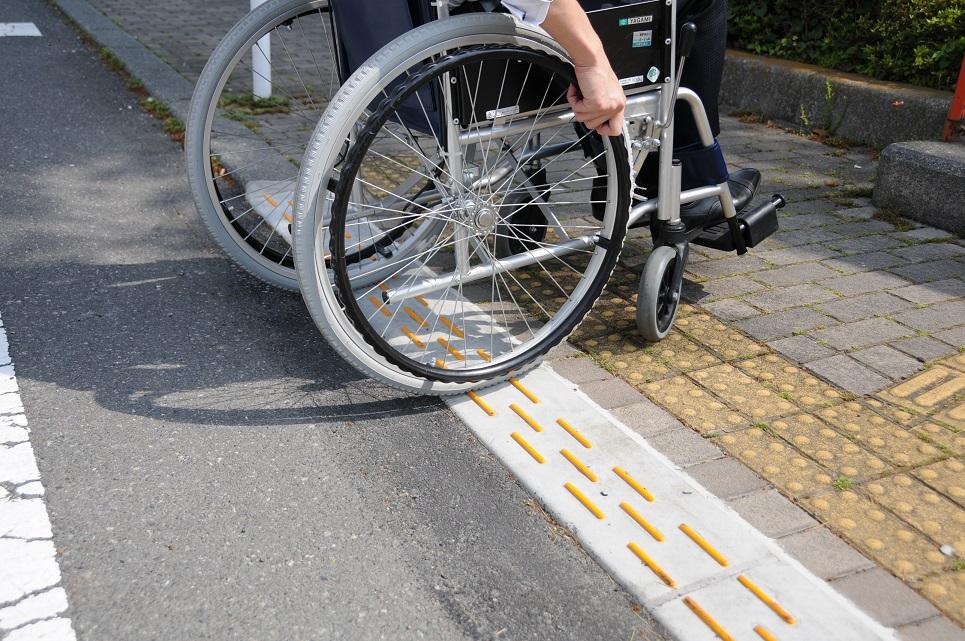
{"x": 916, "y": 41}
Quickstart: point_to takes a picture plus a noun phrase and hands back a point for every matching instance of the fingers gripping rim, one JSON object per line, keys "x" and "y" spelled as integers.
{"x": 359, "y": 91}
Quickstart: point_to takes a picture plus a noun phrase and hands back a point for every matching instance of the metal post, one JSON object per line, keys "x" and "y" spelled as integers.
{"x": 261, "y": 62}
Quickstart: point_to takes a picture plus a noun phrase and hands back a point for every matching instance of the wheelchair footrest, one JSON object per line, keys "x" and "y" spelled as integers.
{"x": 755, "y": 226}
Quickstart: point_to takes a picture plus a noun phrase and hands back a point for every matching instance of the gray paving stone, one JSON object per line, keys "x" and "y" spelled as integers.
{"x": 727, "y": 478}
{"x": 954, "y": 337}
{"x": 933, "y": 270}
{"x": 580, "y": 370}
{"x": 858, "y": 213}
{"x": 727, "y": 266}
{"x": 808, "y": 221}
{"x": 861, "y": 333}
{"x": 730, "y": 309}
{"x": 888, "y": 361}
{"x": 801, "y": 348}
{"x": 925, "y": 348}
{"x": 934, "y": 292}
{"x": 786, "y": 297}
{"x": 930, "y": 251}
{"x": 685, "y": 447}
{"x": 824, "y": 553}
{"x": 772, "y": 514}
{"x": 612, "y": 393}
{"x": 864, "y": 283}
{"x": 784, "y": 323}
{"x": 866, "y": 244}
{"x": 934, "y": 629}
{"x": 884, "y": 597}
{"x": 848, "y": 373}
{"x": 805, "y": 236}
{"x": 799, "y": 254}
{"x": 794, "y": 274}
{"x": 929, "y": 319}
{"x": 926, "y": 233}
{"x": 864, "y": 228}
{"x": 723, "y": 288}
{"x": 864, "y": 306}
{"x": 854, "y": 263}
{"x": 647, "y": 419}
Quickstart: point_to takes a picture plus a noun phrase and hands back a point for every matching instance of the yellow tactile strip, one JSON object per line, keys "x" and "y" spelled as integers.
{"x": 643, "y": 547}
{"x": 817, "y": 443}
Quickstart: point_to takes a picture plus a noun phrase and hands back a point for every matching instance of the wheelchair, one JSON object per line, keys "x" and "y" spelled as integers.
{"x": 453, "y": 222}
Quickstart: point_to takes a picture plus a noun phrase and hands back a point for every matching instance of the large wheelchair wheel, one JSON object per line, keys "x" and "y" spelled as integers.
{"x": 242, "y": 151}
{"x": 474, "y": 108}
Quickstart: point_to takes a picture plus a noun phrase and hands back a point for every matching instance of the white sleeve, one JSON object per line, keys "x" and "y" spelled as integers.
{"x": 529, "y": 11}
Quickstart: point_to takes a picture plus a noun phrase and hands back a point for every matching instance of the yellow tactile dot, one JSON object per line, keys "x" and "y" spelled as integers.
{"x": 923, "y": 508}
{"x": 721, "y": 339}
{"x": 693, "y": 405}
{"x": 828, "y": 446}
{"x": 743, "y": 393}
{"x": 947, "y": 592}
{"x": 885, "y": 438}
{"x": 888, "y": 541}
{"x": 790, "y": 381}
{"x": 775, "y": 461}
{"x": 928, "y": 391}
{"x": 947, "y": 440}
{"x": 947, "y": 477}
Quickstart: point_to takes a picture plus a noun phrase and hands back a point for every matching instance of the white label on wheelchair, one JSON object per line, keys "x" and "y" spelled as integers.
{"x": 642, "y": 39}
{"x": 492, "y": 114}
{"x": 632, "y": 80}
{"x": 653, "y": 74}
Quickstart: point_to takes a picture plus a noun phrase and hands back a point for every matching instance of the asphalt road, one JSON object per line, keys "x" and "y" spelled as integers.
{"x": 213, "y": 470}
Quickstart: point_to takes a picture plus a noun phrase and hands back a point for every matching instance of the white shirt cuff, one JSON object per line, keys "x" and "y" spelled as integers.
{"x": 529, "y": 11}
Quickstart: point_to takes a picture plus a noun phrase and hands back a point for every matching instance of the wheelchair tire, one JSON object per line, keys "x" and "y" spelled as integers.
{"x": 370, "y": 101}
{"x": 658, "y": 297}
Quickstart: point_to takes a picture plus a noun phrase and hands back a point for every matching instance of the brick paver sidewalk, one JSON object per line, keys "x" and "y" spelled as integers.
{"x": 829, "y": 360}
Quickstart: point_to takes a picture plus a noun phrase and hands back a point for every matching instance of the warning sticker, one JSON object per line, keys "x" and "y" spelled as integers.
{"x": 642, "y": 39}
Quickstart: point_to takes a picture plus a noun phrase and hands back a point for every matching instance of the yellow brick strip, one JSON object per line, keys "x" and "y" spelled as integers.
{"x": 768, "y": 601}
{"x": 707, "y": 619}
{"x": 656, "y": 569}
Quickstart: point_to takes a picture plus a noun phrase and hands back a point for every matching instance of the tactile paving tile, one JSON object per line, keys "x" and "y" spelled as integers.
{"x": 947, "y": 592}
{"x": 922, "y": 507}
{"x": 776, "y": 461}
{"x": 878, "y": 533}
{"x": 954, "y": 416}
{"x": 948, "y": 477}
{"x": 898, "y": 445}
{"x": 955, "y": 362}
{"x": 704, "y": 572}
{"x": 947, "y": 440}
{"x": 725, "y": 341}
{"x": 929, "y": 391}
{"x": 829, "y": 447}
{"x": 743, "y": 393}
{"x": 790, "y": 382}
{"x": 693, "y": 405}
{"x": 638, "y": 361}
{"x": 895, "y": 413}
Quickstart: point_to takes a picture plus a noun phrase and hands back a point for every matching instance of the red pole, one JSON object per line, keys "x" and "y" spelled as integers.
{"x": 956, "y": 114}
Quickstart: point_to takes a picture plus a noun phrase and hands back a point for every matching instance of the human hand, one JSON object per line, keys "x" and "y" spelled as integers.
{"x": 598, "y": 101}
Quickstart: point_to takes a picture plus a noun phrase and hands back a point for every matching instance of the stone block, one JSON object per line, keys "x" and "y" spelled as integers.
{"x": 925, "y": 181}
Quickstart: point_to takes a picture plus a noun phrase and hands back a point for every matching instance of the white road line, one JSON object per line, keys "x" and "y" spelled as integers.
{"x": 702, "y": 563}
{"x": 32, "y": 603}
{"x": 18, "y": 29}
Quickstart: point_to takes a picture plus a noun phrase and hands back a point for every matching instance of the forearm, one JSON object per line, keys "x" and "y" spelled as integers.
{"x": 568, "y": 24}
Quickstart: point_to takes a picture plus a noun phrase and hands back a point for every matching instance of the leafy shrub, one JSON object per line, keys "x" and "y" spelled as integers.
{"x": 917, "y": 41}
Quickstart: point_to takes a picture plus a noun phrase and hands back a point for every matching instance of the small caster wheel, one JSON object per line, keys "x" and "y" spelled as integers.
{"x": 523, "y": 230}
{"x": 658, "y": 296}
